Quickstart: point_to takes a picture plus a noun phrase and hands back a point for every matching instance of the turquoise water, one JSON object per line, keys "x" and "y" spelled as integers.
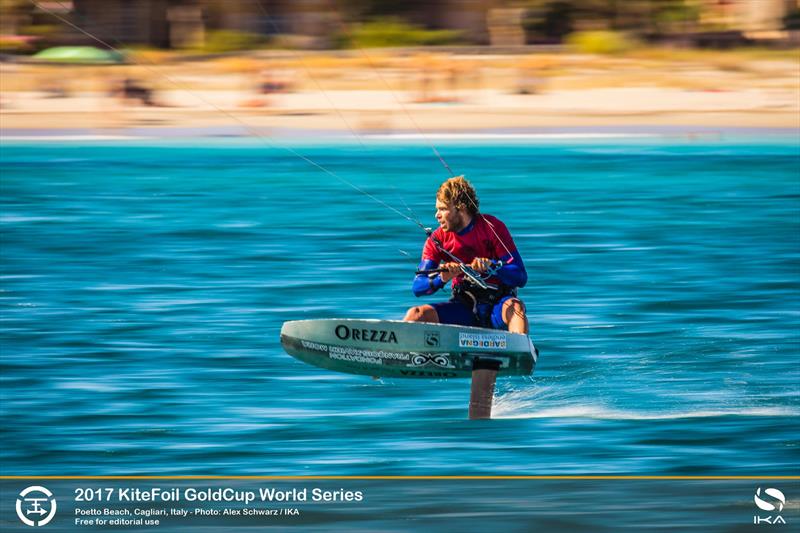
{"x": 144, "y": 286}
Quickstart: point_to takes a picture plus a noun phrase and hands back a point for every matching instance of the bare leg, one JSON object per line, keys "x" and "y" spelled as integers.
{"x": 422, "y": 313}
{"x": 514, "y": 316}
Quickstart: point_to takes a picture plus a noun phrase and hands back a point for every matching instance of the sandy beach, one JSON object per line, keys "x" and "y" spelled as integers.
{"x": 579, "y": 92}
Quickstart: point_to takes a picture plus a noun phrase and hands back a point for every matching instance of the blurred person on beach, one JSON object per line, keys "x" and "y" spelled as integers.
{"x": 483, "y": 243}
{"x": 269, "y": 83}
{"x": 128, "y": 89}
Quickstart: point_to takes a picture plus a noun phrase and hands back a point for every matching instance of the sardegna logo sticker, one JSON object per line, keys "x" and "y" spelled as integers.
{"x": 36, "y": 506}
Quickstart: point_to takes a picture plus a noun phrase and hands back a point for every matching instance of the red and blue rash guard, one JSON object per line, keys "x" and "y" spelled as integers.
{"x": 485, "y": 236}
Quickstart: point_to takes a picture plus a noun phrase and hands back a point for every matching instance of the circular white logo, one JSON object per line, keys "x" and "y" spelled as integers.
{"x": 38, "y": 502}
{"x": 778, "y": 503}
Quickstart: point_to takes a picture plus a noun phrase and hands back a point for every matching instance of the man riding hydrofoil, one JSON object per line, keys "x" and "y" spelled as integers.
{"x": 477, "y": 253}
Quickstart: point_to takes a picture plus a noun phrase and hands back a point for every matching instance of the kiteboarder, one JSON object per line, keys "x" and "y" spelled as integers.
{"x": 477, "y": 253}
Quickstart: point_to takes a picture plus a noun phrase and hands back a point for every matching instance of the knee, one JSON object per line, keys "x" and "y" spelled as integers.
{"x": 421, "y": 313}
{"x": 514, "y": 306}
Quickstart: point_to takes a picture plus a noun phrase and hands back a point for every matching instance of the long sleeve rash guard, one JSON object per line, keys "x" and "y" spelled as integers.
{"x": 486, "y": 236}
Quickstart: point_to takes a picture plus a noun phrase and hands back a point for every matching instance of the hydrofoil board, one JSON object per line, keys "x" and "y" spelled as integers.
{"x": 393, "y": 348}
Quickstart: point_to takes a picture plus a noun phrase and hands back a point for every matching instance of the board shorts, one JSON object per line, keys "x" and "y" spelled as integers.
{"x": 459, "y": 313}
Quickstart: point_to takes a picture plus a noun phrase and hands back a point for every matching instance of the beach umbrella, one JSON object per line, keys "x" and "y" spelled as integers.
{"x": 82, "y": 55}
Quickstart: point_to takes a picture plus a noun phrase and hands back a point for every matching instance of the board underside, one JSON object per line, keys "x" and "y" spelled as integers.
{"x": 388, "y": 348}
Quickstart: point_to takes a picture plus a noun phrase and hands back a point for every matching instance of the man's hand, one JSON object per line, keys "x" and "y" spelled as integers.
{"x": 481, "y": 264}
{"x": 451, "y": 270}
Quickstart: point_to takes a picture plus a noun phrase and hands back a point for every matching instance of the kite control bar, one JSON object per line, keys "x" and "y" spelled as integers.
{"x": 469, "y": 272}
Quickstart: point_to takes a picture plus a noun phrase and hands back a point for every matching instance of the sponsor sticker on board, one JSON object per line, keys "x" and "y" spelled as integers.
{"x": 490, "y": 341}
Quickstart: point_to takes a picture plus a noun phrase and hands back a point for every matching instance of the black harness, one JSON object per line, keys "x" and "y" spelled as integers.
{"x": 481, "y": 301}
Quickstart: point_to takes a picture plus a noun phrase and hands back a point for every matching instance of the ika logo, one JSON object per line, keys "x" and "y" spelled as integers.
{"x": 772, "y": 500}
{"x": 37, "y": 501}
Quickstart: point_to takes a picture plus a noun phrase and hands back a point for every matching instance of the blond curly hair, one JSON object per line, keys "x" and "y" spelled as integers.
{"x": 460, "y": 193}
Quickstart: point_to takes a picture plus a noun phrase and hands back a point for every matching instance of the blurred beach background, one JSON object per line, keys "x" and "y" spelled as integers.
{"x": 180, "y": 177}
{"x": 253, "y": 67}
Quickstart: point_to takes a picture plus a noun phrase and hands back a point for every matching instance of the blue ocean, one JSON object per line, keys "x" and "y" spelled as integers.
{"x": 144, "y": 284}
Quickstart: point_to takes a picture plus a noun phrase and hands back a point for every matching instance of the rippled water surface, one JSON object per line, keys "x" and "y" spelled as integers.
{"x": 144, "y": 286}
